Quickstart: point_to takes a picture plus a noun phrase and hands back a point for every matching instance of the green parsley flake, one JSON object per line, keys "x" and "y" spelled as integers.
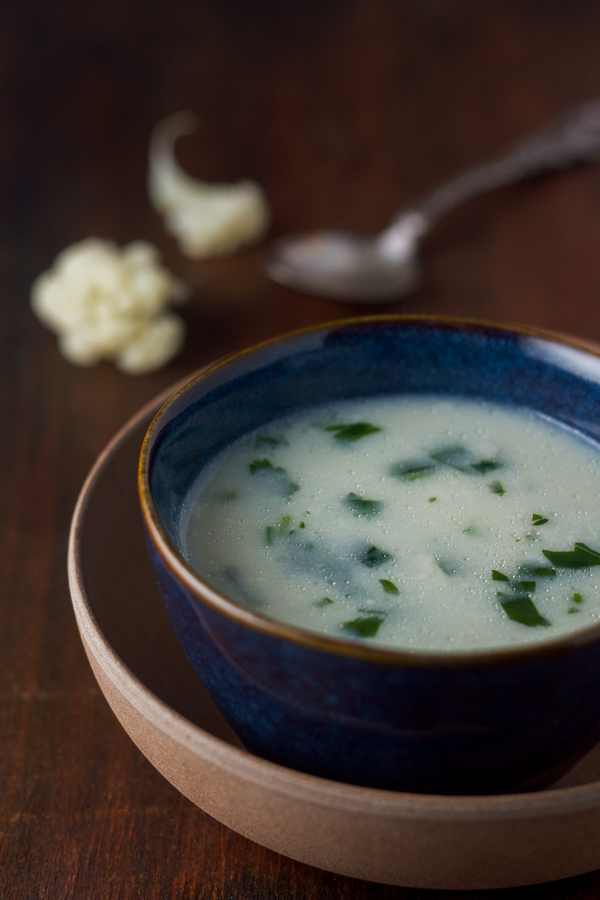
{"x": 360, "y": 507}
{"x": 538, "y": 520}
{"x": 486, "y": 465}
{"x": 352, "y": 432}
{"x": 581, "y": 557}
{"x": 364, "y": 626}
{"x": 373, "y": 557}
{"x": 522, "y": 609}
{"x": 388, "y": 586}
{"x": 528, "y": 586}
{"x": 499, "y": 576}
{"x": 461, "y": 459}
{"x": 496, "y": 488}
{"x": 276, "y": 476}
{"x": 282, "y": 529}
{"x": 324, "y": 601}
{"x": 412, "y": 471}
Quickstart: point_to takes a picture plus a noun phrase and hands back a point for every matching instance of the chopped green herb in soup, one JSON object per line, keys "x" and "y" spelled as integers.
{"x": 416, "y": 523}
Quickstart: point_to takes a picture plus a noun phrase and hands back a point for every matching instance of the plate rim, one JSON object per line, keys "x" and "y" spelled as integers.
{"x": 322, "y": 791}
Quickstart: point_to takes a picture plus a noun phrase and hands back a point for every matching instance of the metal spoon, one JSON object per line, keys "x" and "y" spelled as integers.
{"x": 378, "y": 269}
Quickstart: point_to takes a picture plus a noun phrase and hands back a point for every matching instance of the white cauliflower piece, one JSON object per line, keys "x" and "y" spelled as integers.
{"x": 154, "y": 346}
{"x": 207, "y": 219}
{"x": 104, "y": 302}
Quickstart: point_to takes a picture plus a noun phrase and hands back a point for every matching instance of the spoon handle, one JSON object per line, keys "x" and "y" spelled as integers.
{"x": 575, "y": 137}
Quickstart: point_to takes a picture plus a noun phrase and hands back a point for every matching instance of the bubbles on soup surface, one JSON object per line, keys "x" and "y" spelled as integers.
{"x": 417, "y": 523}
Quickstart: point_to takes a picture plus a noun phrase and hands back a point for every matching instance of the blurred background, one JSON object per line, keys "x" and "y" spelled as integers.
{"x": 343, "y": 111}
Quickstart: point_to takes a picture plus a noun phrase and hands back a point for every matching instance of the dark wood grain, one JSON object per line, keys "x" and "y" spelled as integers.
{"x": 343, "y": 110}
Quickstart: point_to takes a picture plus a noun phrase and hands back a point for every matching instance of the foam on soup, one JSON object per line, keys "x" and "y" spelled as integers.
{"x": 417, "y": 523}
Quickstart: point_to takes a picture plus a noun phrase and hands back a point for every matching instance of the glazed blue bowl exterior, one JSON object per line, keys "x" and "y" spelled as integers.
{"x": 459, "y": 723}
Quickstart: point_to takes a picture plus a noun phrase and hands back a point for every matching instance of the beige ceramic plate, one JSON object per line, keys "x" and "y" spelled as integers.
{"x": 406, "y": 839}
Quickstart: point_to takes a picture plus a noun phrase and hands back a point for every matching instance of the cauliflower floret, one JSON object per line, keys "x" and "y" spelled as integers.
{"x": 108, "y": 303}
{"x": 155, "y": 345}
{"x": 207, "y": 219}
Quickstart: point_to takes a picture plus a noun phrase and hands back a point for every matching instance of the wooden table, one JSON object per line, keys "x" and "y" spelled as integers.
{"x": 343, "y": 110}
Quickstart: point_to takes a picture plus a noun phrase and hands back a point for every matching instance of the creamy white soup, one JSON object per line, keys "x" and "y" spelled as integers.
{"x": 416, "y": 523}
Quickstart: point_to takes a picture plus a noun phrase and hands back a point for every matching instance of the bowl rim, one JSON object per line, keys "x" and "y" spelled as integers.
{"x": 317, "y": 641}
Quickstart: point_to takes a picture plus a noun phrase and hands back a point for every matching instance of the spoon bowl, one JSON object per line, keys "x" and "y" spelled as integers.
{"x": 340, "y": 265}
{"x": 384, "y": 267}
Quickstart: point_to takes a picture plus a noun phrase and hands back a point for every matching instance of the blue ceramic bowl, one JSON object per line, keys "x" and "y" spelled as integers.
{"x": 470, "y": 723}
